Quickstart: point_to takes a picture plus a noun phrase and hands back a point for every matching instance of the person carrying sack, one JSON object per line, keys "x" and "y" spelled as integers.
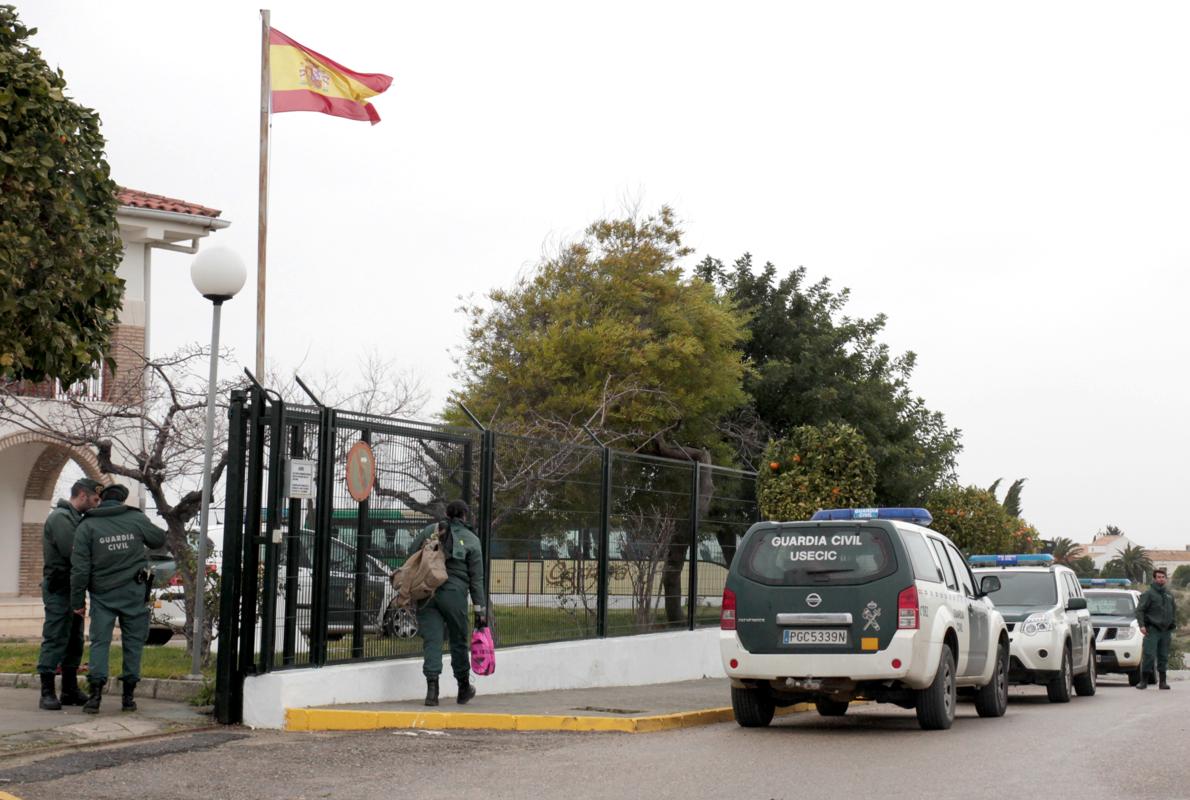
{"x": 446, "y": 609}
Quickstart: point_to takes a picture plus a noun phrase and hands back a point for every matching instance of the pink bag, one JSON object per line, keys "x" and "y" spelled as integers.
{"x": 483, "y": 651}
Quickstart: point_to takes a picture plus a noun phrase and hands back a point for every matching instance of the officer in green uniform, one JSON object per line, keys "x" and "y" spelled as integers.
{"x": 62, "y": 632}
{"x": 447, "y": 609}
{"x": 1157, "y": 617}
{"x": 109, "y": 561}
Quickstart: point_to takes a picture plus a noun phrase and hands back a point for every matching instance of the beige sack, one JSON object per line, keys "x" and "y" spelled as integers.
{"x": 421, "y": 574}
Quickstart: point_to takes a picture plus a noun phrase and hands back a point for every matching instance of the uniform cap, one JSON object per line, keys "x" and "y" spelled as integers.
{"x": 89, "y": 484}
{"x": 115, "y": 492}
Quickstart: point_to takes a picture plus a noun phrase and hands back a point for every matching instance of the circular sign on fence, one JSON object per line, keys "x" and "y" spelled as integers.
{"x": 361, "y": 471}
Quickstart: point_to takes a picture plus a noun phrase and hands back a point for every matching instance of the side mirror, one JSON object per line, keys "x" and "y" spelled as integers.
{"x": 1076, "y": 604}
{"x": 989, "y": 584}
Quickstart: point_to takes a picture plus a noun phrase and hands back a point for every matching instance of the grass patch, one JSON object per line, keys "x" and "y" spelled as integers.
{"x": 156, "y": 662}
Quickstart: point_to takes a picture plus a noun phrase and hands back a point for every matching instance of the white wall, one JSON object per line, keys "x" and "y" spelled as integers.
{"x": 620, "y": 661}
{"x": 15, "y": 464}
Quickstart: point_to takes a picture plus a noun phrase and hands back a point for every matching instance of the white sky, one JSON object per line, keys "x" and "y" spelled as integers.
{"x": 1006, "y": 182}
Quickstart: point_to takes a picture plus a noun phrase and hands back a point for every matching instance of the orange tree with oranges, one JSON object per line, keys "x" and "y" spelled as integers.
{"x": 977, "y": 522}
{"x": 816, "y": 467}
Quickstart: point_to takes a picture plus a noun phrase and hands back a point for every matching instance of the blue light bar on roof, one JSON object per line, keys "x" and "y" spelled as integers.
{"x": 919, "y": 516}
{"x": 1012, "y": 560}
{"x": 1104, "y": 581}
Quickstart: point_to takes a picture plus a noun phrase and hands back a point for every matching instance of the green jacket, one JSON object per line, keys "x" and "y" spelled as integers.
{"x": 57, "y": 540}
{"x": 109, "y": 549}
{"x": 464, "y": 562}
{"x": 1156, "y": 609}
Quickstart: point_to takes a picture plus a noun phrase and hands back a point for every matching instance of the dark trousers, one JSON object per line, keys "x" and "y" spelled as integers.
{"x": 61, "y": 634}
{"x": 446, "y": 612}
{"x": 126, "y": 604}
{"x": 1156, "y": 650}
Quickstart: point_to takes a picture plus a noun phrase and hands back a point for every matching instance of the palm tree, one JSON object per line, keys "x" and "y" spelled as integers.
{"x": 1133, "y": 562}
{"x": 1012, "y": 499}
{"x": 1065, "y": 551}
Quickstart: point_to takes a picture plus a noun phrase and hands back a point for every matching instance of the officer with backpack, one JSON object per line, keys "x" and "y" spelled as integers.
{"x": 110, "y": 560}
{"x": 446, "y": 610}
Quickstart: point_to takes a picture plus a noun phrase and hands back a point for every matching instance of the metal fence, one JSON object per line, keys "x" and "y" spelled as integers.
{"x": 579, "y": 541}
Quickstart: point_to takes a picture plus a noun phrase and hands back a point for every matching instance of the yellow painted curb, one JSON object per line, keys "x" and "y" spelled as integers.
{"x": 335, "y": 719}
{"x": 7, "y": 796}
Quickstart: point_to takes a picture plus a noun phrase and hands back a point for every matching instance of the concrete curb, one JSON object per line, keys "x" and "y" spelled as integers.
{"x": 155, "y": 688}
{"x": 334, "y": 719}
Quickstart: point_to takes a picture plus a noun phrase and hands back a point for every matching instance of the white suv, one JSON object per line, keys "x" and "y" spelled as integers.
{"x": 859, "y": 604}
{"x": 1117, "y": 633}
{"x": 1053, "y": 644}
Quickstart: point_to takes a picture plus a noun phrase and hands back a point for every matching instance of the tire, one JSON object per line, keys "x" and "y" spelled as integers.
{"x": 936, "y": 702}
{"x": 831, "y": 708}
{"x": 1084, "y": 684}
{"x": 1134, "y": 677}
{"x": 992, "y": 700}
{"x": 1059, "y": 689}
{"x": 752, "y": 708}
{"x": 159, "y": 636}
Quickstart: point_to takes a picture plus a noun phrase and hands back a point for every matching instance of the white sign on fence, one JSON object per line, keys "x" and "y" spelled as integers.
{"x": 299, "y": 478}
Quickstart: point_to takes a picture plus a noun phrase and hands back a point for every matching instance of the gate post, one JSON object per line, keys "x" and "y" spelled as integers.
{"x": 323, "y": 521}
{"x": 602, "y": 583}
{"x": 692, "y": 601}
{"x": 229, "y": 684}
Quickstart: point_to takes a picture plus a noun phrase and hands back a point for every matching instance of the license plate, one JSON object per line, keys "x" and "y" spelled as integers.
{"x": 815, "y": 636}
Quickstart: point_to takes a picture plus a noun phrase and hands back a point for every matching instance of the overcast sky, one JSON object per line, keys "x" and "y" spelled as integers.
{"x": 1006, "y": 182}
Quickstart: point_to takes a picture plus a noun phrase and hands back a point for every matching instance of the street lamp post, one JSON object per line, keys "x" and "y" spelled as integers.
{"x": 217, "y": 273}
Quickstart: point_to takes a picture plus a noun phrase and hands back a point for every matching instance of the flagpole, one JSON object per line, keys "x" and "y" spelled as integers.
{"x": 263, "y": 212}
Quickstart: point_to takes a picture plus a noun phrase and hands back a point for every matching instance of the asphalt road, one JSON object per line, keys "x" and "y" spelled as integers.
{"x": 1119, "y": 744}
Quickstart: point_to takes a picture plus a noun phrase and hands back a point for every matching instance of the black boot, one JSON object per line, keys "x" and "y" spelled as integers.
{"x": 431, "y": 691}
{"x": 1143, "y": 683}
{"x": 127, "y": 703}
{"x": 49, "y": 700}
{"x": 1164, "y": 683}
{"x": 71, "y": 696}
{"x": 92, "y": 704}
{"x": 466, "y": 690}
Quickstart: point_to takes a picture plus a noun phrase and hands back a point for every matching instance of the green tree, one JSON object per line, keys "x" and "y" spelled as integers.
{"x": 1132, "y": 563}
{"x": 1084, "y": 567}
{"x": 59, "y": 240}
{"x": 812, "y": 365}
{"x": 1181, "y": 577}
{"x": 976, "y": 522}
{"x": 609, "y": 334}
{"x": 827, "y": 467}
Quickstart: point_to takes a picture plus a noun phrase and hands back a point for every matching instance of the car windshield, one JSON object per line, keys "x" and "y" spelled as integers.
{"x": 1110, "y": 605}
{"x": 1024, "y": 589}
{"x": 821, "y": 555}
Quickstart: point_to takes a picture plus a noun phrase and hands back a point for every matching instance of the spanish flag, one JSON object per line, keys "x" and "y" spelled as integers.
{"x": 303, "y": 80}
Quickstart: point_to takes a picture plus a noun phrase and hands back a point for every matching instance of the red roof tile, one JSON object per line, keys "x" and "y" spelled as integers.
{"x": 156, "y": 202}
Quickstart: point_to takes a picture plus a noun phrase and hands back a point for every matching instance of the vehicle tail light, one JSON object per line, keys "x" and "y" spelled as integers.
{"x": 907, "y": 610}
{"x": 727, "y": 613}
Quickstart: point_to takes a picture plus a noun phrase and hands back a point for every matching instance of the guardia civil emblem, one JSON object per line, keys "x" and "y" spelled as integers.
{"x": 871, "y": 612}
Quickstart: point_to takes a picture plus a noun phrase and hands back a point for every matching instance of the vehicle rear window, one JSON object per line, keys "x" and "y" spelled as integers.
{"x": 816, "y": 556}
{"x": 924, "y": 565}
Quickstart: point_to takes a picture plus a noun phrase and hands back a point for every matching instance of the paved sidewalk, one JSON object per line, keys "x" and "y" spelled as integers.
{"x": 624, "y": 709}
{"x": 26, "y": 729}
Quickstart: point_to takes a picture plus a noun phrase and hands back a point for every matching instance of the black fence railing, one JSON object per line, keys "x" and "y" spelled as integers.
{"x": 580, "y": 541}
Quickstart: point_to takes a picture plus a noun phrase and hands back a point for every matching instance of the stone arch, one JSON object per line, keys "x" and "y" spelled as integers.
{"x": 36, "y": 474}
